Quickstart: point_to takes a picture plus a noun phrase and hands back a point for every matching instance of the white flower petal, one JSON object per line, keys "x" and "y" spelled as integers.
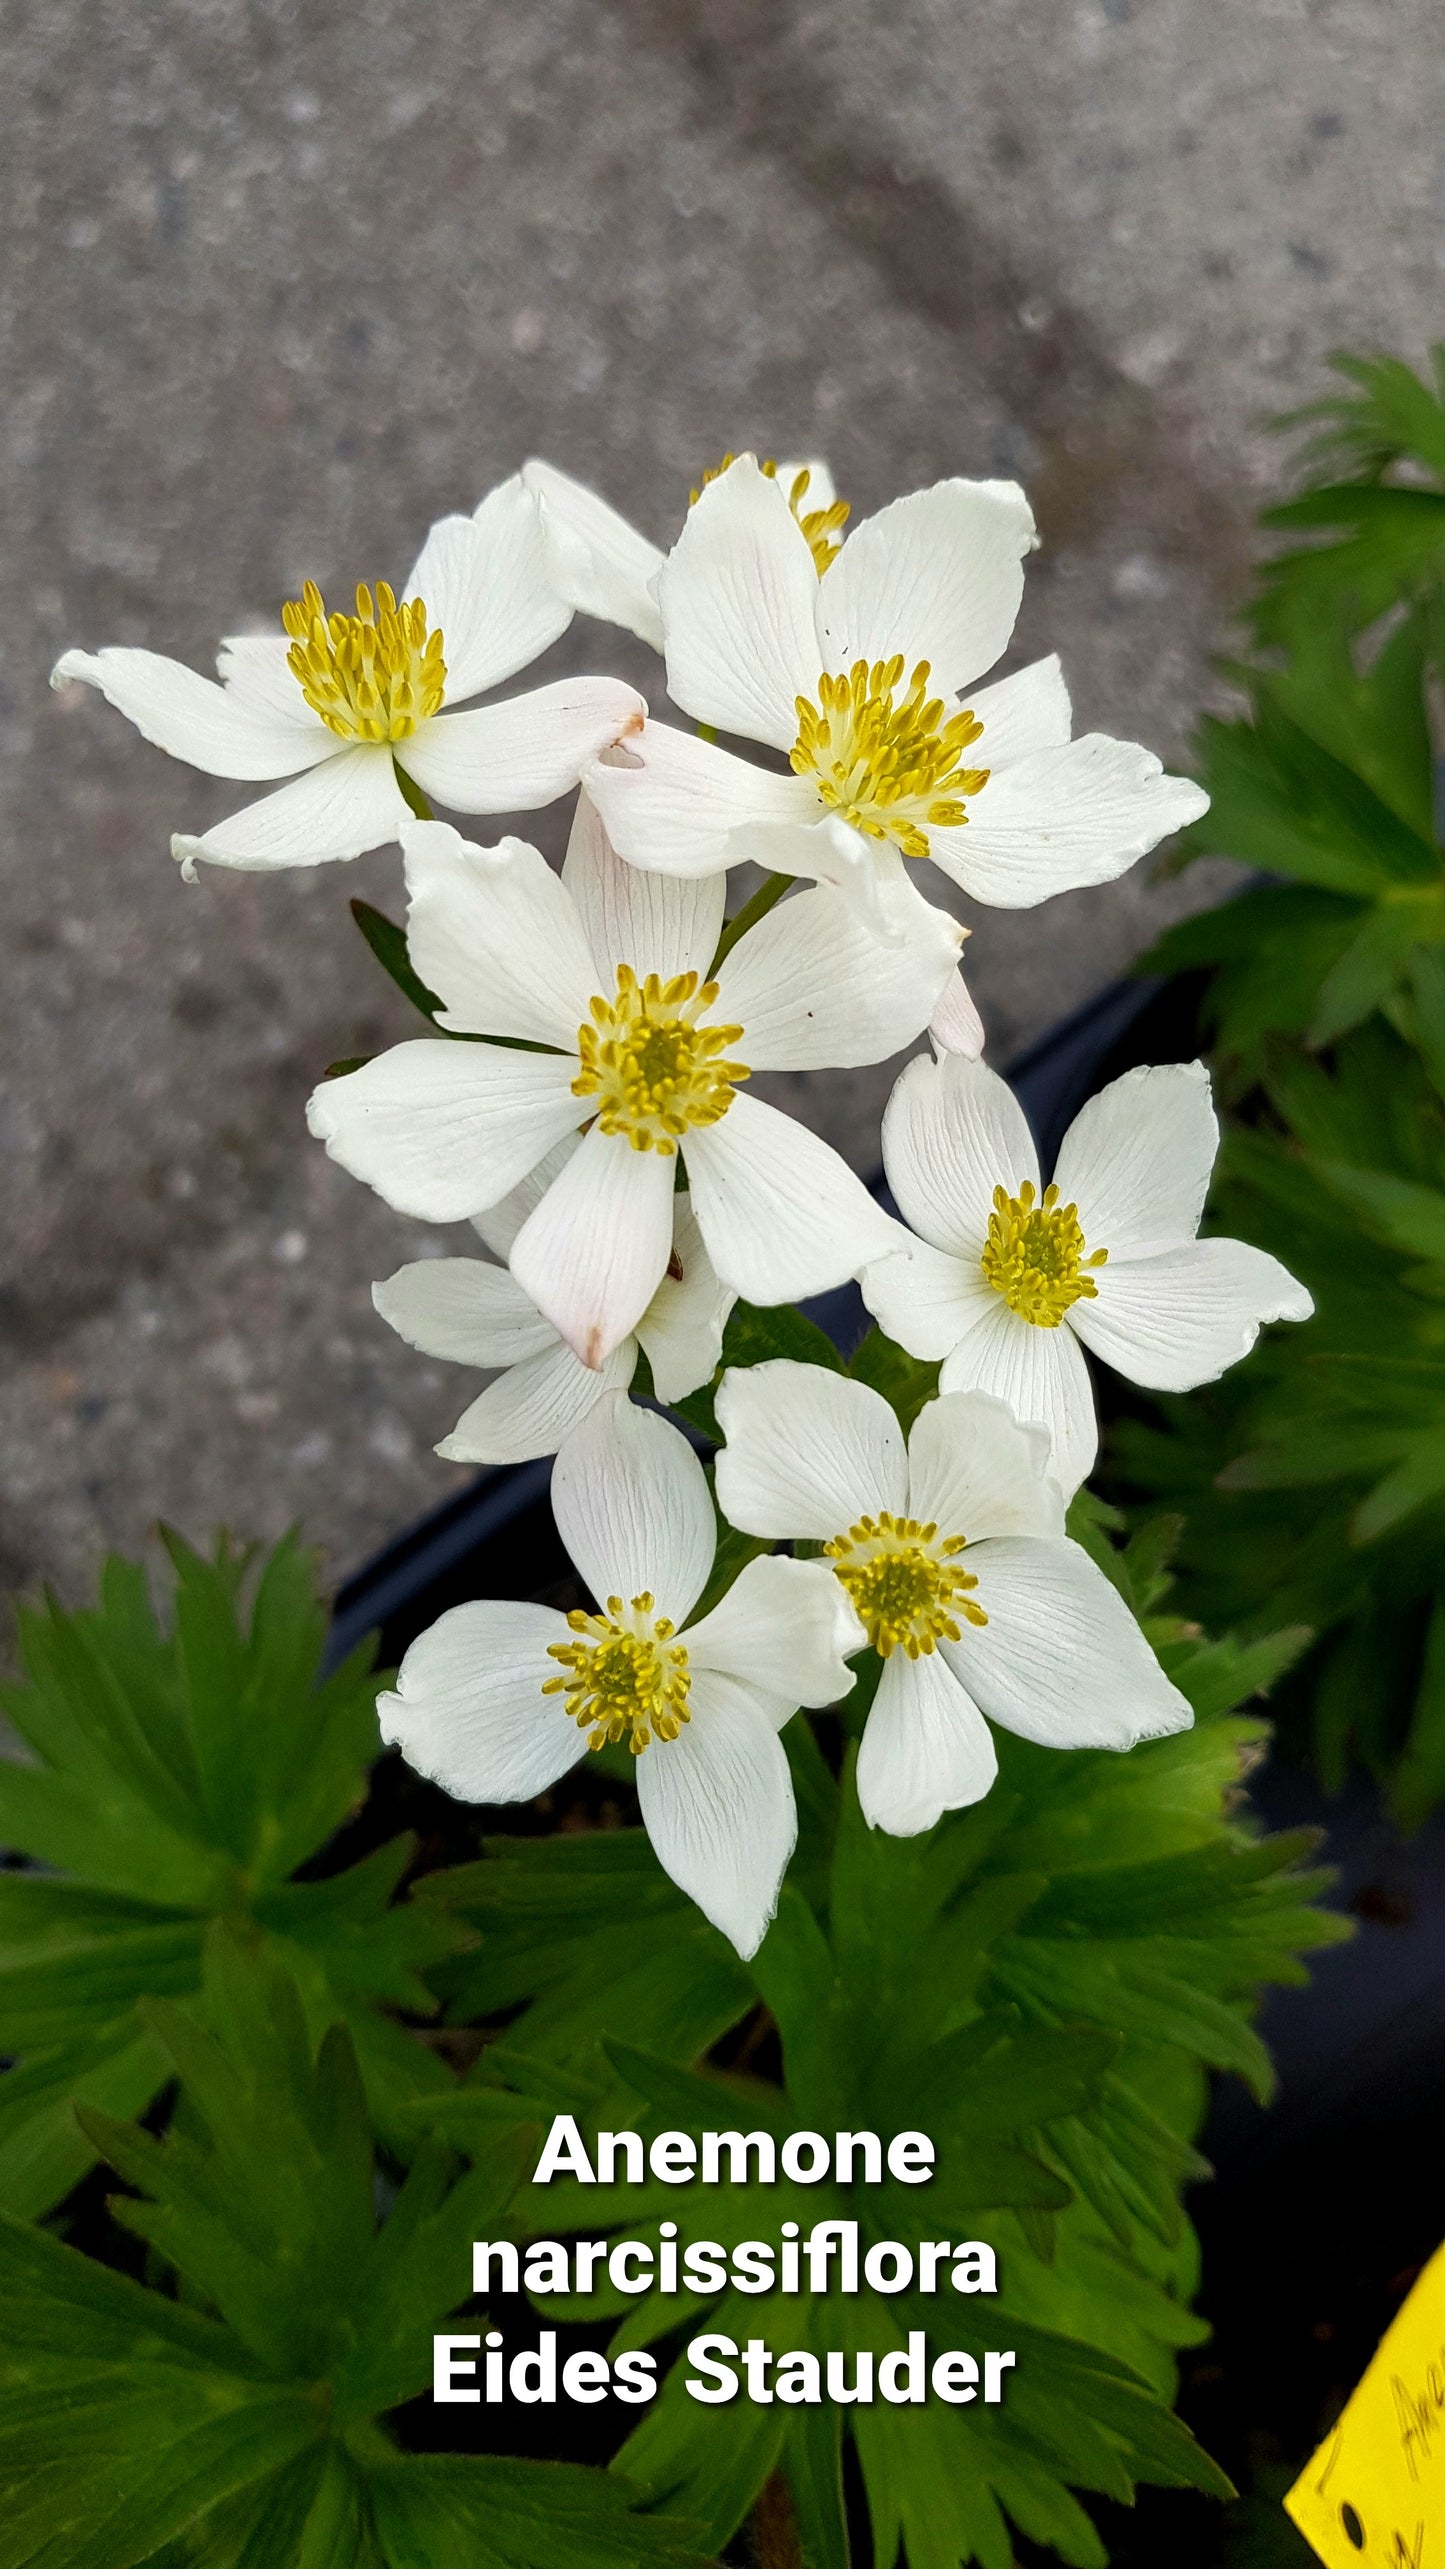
{"x": 534, "y": 1406}
{"x": 594, "y": 1252}
{"x": 597, "y": 561}
{"x": 955, "y": 1025}
{"x": 486, "y": 583}
{"x": 937, "y": 576}
{"x": 1058, "y": 818}
{"x": 349, "y": 804}
{"x": 682, "y": 1328}
{"x": 952, "y": 1132}
{"x": 468, "y": 1708}
{"x": 442, "y": 1129}
{"x": 656, "y": 922}
{"x": 498, "y": 1224}
{"x": 464, "y": 1311}
{"x": 927, "y": 1299}
{"x": 1137, "y": 1160}
{"x": 680, "y": 805}
{"x": 737, "y": 594}
{"x": 517, "y": 755}
{"x": 717, "y": 1803}
{"x": 783, "y": 1629}
{"x": 1179, "y": 1319}
{"x": 255, "y": 669}
{"x": 974, "y": 1470}
{"x": 217, "y": 729}
{"x": 1028, "y": 711}
{"x": 813, "y": 989}
{"x": 1039, "y": 1374}
{"x": 807, "y": 1453}
{"x": 926, "y": 1748}
{"x": 497, "y": 937}
{"x": 783, "y": 1216}
{"x": 632, "y": 1507}
{"x": 1061, "y": 1659}
{"x": 873, "y": 879}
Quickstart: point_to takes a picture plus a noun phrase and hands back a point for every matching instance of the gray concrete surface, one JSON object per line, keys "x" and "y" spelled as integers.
{"x": 282, "y": 282}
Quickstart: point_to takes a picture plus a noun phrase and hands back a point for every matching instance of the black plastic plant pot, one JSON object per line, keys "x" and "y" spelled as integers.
{"x": 1323, "y": 2205}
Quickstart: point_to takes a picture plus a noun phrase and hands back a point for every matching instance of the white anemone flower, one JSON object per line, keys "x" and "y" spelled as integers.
{"x": 339, "y": 702}
{"x": 469, "y": 1312}
{"x": 865, "y": 680}
{"x": 490, "y": 1702}
{"x": 951, "y": 1548}
{"x": 598, "y": 983}
{"x": 1010, "y": 1280}
{"x": 605, "y": 567}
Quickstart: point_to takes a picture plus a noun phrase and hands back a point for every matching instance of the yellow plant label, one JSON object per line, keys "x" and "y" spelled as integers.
{"x": 1374, "y": 2495}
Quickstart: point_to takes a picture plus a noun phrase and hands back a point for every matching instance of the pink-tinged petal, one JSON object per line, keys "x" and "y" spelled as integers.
{"x": 937, "y": 576}
{"x": 443, "y": 1129}
{"x": 807, "y": 1453}
{"x": 487, "y": 587}
{"x": 717, "y": 1803}
{"x": 1137, "y": 1160}
{"x": 737, "y": 594}
{"x": 497, "y": 937}
{"x": 680, "y": 805}
{"x": 515, "y": 756}
{"x": 1039, "y": 1374}
{"x": 217, "y": 729}
{"x": 597, "y": 561}
{"x": 926, "y": 1749}
{"x": 814, "y": 989}
{"x": 1061, "y": 1659}
{"x": 632, "y": 1507}
{"x": 351, "y": 803}
{"x": 953, "y": 1131}
{"x": 1028, "y": 711}
{"x": 468, "y": 1708}
{"x": 783, "y": 1216}
{"x": 1182, "y": 1318}
{"x": 595, "y": 1251}
{"x": 655, "y": 922}
{"x": 536, "y": 1405}
{"x": 782, "y": 1629}
{"x": 1060, "y": 818}
{"x": 974, "y": 1470}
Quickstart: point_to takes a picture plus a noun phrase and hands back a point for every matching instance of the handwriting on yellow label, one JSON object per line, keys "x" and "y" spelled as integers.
{"x": 1374, "y": 2495}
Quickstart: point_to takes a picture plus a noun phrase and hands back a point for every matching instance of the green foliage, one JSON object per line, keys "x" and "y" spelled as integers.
{"x": 1313, "y": 1478}
{"x": 1040, "y": 1983}
{"x": 234, "y": 2421}
{"x": 177, "y": 1776}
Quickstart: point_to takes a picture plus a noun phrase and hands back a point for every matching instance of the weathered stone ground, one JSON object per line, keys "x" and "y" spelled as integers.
{"x": 282, "y": 282}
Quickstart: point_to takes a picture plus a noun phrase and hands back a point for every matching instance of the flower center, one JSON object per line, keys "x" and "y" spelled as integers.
{"x": 652, "y": 1068}
{"x": 823, "y": 527}
{"x": 1034, "y": 1255}
{"x": 906, "y": 1583}
{"x": 370, "y": 676}
{"x": 891, "y": 768}
{"x": 624, "y": 1681}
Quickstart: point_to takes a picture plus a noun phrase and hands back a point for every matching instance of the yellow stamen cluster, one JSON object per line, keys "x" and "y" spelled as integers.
{"x": 890, "y": 768}
{"x": 1035, "y": 1255}
{"x": 627, "y": 1678}
{"x": 823, "y": 527}
{"x": 370, "y": 676}
{"x": 907, "y": 1585}
{"x": 654, "y": 1071}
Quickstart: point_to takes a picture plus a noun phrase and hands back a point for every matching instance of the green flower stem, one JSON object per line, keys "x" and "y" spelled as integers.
{"x": 767, "y": 896}
{"x": 412, "y": 794}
